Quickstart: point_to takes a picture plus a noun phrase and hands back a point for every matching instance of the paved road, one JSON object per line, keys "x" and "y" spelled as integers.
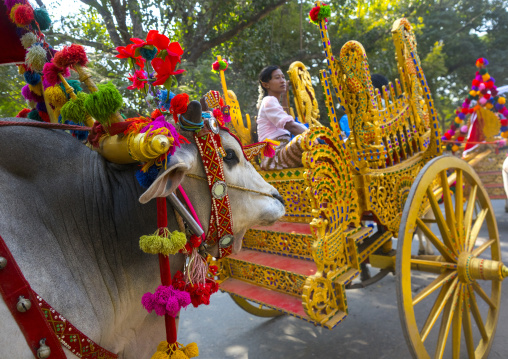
{"x": 372, "y": 329}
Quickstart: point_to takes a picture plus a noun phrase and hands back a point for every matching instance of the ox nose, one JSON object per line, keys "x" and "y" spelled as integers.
{"x": 279, "y": 198}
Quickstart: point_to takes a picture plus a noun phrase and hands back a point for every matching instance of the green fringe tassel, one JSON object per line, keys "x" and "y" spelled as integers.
{"x": 103, "y": 103}
{"x": 74, "y": 110}
{"x": 167, "y": 243}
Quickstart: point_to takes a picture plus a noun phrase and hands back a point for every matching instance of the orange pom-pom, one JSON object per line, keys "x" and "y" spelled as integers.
{"x": 156, "y": 113}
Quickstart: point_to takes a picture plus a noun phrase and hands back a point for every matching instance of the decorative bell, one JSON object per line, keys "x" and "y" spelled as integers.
{"x": 23, "y": 304}
{"x": 3, "y": 262}
{"x": 44, "y": 351}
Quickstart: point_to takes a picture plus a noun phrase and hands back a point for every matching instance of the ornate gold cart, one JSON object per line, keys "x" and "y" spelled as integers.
{"x": 388, "y": 172}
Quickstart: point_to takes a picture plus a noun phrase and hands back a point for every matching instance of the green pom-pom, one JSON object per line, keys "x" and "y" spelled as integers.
{"x": 42, "y": 17}
{"x": 74, "y": 110}
{"x": 34, "y": 115}
{"x": 483, "y": 71}
{"x": 167, "y": 243}
{"x": 148, "y": 54}
{"x": 324, "y": 12}
{"x": 103, "y": 103}
{"x": 75, "y": 84}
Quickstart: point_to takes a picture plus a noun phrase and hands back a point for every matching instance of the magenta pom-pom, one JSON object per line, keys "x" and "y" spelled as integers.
{"x": 29, "y": 95}
{"x": 51, "y": 71}
{"x": 147, "y": 301}
{"x": 464, "y": 129}
{"x": 166, "y": 300}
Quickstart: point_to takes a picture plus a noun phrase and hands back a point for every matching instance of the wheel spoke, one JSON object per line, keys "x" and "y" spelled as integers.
{"x": 483, "y": 295}
{"x": 445, "y": 252}
{"x": 468, "y": 329}
{"x": 468, "y": 217}
{"x": 448, "y": 205}
{"x": 457, "y": 325}
{"x": 446, "y": 323}
{"x": 476, "y": 228}
{"x": 437, "y": 308}
{"x": 483, "y": 247}
{"x": 443, "y": 227}
{"x": 436, "y": 283}
{"x": 476, "y": 314}
{"x": 459, "y": 206}
{"x": 427, "y": 265}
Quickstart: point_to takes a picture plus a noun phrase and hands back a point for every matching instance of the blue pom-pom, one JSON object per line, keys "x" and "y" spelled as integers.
{"x": 148, "y": 54}
{"x": 164, "y": 100}
{"x": 80, "y": 135}
{"x": 146, "y": 179}
{"x": 461, "y": 116}
{"x": 504, "y": 128}
{"x": 41, "y": 106}
{"x": 42, "y": 17}
{"x": 32, "y": 78}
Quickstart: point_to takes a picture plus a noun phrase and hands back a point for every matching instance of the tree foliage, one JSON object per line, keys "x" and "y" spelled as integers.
{"x": 250, "y": 34}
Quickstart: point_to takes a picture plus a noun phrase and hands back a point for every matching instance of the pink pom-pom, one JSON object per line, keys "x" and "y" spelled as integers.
{"x": 51, "y": 71}
{"x": 482, "y": 101}
{"x": 147, "y": 301}
{"x": 464, "y": 129}
{"x": 482, "y": 86}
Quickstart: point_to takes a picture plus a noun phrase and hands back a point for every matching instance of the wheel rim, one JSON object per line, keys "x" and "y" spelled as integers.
{"x": 258, "y": 310}
{"x": 461, "y": 265}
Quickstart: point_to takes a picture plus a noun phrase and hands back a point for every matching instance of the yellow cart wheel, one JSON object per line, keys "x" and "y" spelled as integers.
{"x": 259, "y": 310}
{"x": 449, "y": 302}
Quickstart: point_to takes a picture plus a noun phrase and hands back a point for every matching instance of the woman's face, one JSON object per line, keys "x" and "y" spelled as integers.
{"x": 277, "y": 83}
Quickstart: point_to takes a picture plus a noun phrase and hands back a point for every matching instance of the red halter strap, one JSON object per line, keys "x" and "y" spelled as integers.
{"x": 221, "y": 221}
{"x": 40, "y": 320}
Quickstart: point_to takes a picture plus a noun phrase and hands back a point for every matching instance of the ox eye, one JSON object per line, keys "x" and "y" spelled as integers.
{"x": 231, "y": 159}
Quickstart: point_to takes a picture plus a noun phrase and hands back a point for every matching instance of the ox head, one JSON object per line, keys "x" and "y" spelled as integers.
{"x": 248, "y": 207}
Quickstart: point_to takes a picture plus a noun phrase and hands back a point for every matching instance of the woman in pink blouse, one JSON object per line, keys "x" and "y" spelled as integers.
{"x": 275, "y": 123}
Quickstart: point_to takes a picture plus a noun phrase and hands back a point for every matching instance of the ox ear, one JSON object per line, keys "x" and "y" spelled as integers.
{"x": 169, "y": 180}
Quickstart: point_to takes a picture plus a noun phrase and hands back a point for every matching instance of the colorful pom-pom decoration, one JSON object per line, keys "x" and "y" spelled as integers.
{"x": 23, "y": 113}
{"x": 163, "y": 242}
{"x": 35, "y": 57}
{"x": 221, "y": 65}
{"x": 28, "y": 40}
{"x": 42, "y": 18}
{"x": 319, "y": 13}
{"x": 70, "y": 56}
{"x": 22, "y": 15}
{"x": 166, "y": 300}
{"x": 103, "y": 103}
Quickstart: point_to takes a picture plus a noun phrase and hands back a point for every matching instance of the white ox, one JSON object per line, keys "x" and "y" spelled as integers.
{"x": 72, "y": 221}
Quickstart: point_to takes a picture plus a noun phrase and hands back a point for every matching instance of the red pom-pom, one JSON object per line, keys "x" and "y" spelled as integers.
{"x": 71, "y": 55}
{"x": 179, "y": 105}
{"x": 447, "y": 135}
{"x": 489, "y": 84}
{"x": 314, "y": 12}
{"x": 23, "y": 113}
{"x": 486, "y": 96}
{"x": 457, "y": 112}
{"x": 464, "y": 110}
{"x": 476, "y": 83}
{"x": 460, "y": 138}
{"x": 504, "y": 122}
{"x": 471, "y": 110}
{"x": 44, "y": 116}
{"x": 195, "y": 241}
{"x": 23, "y": 15}
{"x": 156, "y": 113}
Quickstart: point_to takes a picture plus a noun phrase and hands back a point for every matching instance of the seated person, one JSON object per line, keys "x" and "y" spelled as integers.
{"x": 275, "y": 123}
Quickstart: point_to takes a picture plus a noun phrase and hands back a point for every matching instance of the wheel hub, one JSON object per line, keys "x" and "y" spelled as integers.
{"x": 471, "y": 268}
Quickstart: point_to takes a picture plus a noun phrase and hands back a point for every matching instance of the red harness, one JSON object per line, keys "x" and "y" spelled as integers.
{"x": 39, "y": 320}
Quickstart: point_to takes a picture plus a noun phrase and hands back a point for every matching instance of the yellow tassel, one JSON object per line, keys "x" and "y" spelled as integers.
{"x": 160, "y": 355}
{"x": 163, "y": 346}
{"x": 36, "y": 89}
{"x": 165, "y": 243}
{"x": 191, "y": 350}
{"x": 55, "y": 96}
{"x": 178, "y": 354}
{"x": 21, "y": 69}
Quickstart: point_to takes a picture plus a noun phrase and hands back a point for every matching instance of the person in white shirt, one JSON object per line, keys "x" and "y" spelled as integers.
{"x": 275, "y": 123}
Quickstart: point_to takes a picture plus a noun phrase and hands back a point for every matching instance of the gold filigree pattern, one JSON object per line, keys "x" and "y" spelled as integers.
{"x": 282, "y": 281}
{"x": 306, "y": 105}
{"x": 290, "y": 244}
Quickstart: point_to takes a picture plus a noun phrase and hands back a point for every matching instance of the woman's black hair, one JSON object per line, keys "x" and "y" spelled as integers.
{"x": 264, "y": 76}
{"x": 378, "y": 81}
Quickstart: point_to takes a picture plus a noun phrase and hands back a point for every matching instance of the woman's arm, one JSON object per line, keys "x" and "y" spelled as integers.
{"x": 294, "y": 128}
